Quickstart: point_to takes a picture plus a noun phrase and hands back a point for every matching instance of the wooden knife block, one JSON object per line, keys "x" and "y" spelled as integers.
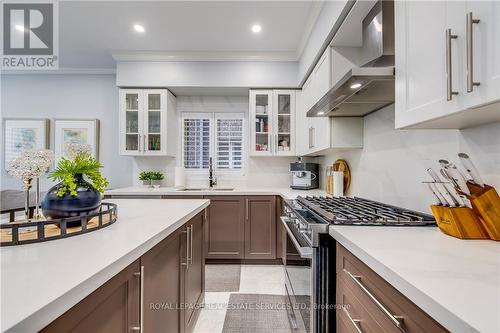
{"x": 482, "y": 221}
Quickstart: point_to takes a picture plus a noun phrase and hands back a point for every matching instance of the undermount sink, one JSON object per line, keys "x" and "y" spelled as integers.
{"x": 199, "y": 189}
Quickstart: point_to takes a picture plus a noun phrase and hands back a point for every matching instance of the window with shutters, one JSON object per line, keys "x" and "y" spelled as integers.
{"x": 216, "y": 135}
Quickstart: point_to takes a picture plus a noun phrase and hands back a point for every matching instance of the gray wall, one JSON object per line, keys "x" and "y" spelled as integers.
{"x": 68, "y": 96}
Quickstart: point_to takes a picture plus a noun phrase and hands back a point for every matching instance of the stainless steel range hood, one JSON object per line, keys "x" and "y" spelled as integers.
{"x": 370, "y": 87}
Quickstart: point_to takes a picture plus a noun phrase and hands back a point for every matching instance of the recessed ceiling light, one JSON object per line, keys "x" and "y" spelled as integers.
{"x": 321, "y": 113}
{"x": 256, "y": 28}
{"x": 19, "y": 27}
{"x": 355, "y": 85}
{"x": 139, "y": 28}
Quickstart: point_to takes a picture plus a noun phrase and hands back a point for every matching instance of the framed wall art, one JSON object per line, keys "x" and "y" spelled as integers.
{"x": 22, "y": 133}
{"x": 82, "y": 131}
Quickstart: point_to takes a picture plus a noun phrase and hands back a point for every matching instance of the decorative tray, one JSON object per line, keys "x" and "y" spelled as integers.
{"x": 35, "y": 231}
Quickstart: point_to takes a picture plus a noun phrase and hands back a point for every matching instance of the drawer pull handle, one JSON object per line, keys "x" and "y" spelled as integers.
{"x": 396, "y": 320}
{"x": 354, "y": 322}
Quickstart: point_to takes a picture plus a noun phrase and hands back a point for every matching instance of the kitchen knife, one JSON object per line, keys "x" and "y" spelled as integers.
{"x": 438, "y": 193}
{"x": 457, "y": 178}
{"x": 448, "y": 198}
{"x": 436, "y": 200}
{"x": 454, "y": 194}
{"x": 471, "y": 169}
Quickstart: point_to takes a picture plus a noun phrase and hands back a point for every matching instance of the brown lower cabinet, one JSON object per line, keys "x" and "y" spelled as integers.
{"x": 164, "y": 289}
{"x": 241, "y": 227}
{"x": 260, "y": 227}
{"x": 371, "y": 304}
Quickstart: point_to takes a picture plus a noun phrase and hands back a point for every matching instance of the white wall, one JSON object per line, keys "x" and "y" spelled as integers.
{"x": 68, "y": 96}
{"x": 393, "y": 163}
{"x": 259, "y": 171}
{"x": 206, "y": 74}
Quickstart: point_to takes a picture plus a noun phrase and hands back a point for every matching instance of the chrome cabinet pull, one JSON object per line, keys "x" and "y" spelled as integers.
{"x": 396, "y": 320}
{"x": 141, "y": 313}
{"x": 141, "y": 292}
{"x": 470, "y": 51}
{"x": 246, "y": 209}
{"x": 186, "y": 263}
{"x": 355, "y": 322}
{"x": 449, "y": 76}
{"x": 191, "y": 245}
{"x": 144, "y": 143}
{"x": 313, "y": 132}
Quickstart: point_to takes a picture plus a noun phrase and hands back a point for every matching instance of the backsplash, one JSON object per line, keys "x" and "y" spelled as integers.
{"x": 393, "y": 163}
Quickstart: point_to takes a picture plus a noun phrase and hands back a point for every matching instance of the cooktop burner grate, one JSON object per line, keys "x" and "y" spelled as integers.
{"x": 358, "y": 211}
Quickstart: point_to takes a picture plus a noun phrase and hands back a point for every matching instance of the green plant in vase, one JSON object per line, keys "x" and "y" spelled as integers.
{"x": 80, "y": 184}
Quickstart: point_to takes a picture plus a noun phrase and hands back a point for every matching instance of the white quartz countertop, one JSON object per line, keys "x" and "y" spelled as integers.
{"x": 457, "y": 282}
{"x": 41, "y": 281}
{"x": 285, "y": 192}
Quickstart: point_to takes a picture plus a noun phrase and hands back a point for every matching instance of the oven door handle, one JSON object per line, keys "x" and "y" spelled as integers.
{"x": 304, "y": 252}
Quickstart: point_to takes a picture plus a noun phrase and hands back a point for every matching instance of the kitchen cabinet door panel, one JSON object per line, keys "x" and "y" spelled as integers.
{"x": 112, "y": 308}
{"x": 162, "y": 285}
{"x": 485, "y": 51}
{"x": 224, "y": 228}
{"x": 260, "y": 227}
{"x": 421, "y": 80}
{"x": 194, "y": 273}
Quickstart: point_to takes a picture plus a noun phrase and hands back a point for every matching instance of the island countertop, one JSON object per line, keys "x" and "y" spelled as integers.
{"x": 41, "y": 281}
{"x": 456, "y": 282}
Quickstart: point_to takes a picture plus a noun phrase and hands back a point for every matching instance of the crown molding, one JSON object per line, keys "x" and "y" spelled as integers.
{"x": 204, "y": 56}
{"x": 61, "y": 71}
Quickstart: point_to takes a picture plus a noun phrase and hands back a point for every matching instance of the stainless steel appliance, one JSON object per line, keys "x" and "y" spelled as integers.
{"x": 305, "y": 175}
{"x": 310, "y": 252}
{"x": 370, "y": 87}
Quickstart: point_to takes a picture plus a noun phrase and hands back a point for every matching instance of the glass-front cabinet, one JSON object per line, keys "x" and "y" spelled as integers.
{"x": 143, "y": 122}
{"x": 272, "y": 114}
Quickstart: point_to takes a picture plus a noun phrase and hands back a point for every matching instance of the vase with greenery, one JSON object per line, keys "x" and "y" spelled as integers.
{"x": 144, "y": 177}
{"x": 80, "y": 185}
{"x": 151, "y": 178}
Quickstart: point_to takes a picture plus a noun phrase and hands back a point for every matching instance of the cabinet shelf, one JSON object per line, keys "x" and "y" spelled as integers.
{"x": 262, "y": 133}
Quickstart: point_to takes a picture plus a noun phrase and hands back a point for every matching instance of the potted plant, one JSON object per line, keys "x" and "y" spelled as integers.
{"x": 80, "y": 185}
{"x": 156, "y": 178}
{"x": 144, "y": 177}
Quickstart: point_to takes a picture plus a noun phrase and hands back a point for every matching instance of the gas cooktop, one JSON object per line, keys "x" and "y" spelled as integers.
{"x": 359, "y": 211}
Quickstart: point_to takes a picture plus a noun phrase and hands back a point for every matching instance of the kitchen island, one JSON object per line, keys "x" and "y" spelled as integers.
{"x": 42, "y": 281}
{"x": 456, "y": 282}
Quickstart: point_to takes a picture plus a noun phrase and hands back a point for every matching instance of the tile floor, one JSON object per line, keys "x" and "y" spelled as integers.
{"x": 254, "y": 279}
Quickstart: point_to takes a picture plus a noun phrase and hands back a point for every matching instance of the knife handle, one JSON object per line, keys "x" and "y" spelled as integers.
{"x": 471, "y": 169}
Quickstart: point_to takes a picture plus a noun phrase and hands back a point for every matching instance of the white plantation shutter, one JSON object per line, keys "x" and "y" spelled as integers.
{"x": 196, "y": 141}
{"x": 229, "y": 141}
{"x": 216, "y": 135}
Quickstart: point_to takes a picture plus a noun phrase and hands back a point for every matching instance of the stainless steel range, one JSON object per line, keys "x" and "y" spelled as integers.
{"x": 310, "y": 251}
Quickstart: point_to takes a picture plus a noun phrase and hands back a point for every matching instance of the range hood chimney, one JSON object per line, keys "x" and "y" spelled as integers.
{"x": 370, "y": 87}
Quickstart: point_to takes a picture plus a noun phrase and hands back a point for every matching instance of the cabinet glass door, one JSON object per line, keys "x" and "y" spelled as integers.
{"x": 284, "y": 120}
{"x": 153, "y": 122}
{"x": 132, "y": 129}
{"x": 262, "y": 120}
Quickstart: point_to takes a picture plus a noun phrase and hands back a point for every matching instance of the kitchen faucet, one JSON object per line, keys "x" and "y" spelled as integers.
{"x": 212, "y": 180}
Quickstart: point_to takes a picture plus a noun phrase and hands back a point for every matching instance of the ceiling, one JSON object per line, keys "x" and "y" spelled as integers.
{"x": 91, "y": 32}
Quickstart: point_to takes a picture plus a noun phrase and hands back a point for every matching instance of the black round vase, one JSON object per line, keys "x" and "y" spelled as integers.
{"x": 87, "y": 200}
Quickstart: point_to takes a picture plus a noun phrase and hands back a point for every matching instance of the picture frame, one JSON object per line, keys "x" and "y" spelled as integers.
{"x": 83, "y": 131}
{"x": 20, "y": 134}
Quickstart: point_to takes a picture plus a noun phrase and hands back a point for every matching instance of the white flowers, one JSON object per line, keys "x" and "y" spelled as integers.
{"x": 31, "y": 164}
{"x": 73, "y": 149}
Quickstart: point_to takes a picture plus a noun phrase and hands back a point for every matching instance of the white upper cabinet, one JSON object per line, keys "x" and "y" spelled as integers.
{"x": 148, "y": 124}
{"x": 313, "y": 134}
{"x": 272, "y": 122}
{"x": 436, "y": 47}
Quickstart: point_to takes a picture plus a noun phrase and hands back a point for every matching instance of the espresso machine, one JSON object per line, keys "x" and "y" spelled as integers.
{"x": 305, "y": 175}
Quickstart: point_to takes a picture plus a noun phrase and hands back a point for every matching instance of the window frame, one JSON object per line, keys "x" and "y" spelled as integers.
{"x": 213, "y": 116}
